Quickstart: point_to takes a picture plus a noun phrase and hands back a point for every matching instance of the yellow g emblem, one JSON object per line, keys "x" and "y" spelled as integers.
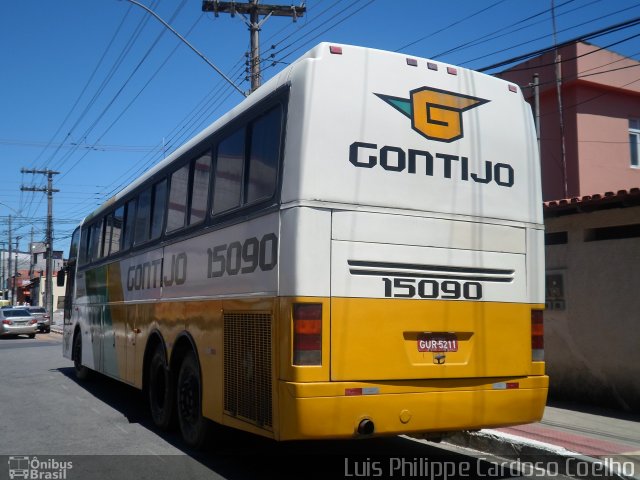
{"x": 435, "y": 114}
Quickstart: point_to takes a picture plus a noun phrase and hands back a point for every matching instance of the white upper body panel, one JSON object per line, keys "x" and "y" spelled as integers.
{"x": 374, "y": 130}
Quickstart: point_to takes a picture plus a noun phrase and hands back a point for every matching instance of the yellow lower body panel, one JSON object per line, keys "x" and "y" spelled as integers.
{"x": 336, "y": 409}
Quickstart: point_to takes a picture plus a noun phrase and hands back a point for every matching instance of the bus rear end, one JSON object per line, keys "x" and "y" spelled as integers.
{"x": 411, "y": 250}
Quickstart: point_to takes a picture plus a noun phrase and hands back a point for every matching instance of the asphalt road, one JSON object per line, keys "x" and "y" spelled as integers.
{"x": 58, "y": 428}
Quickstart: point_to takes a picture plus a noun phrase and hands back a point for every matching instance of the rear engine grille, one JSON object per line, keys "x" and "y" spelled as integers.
{"x": 247, "y": 367}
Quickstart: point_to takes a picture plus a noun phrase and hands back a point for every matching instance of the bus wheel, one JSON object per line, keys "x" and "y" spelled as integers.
{"x": 161, "y": 397}
{"x": 82, "y": 372}
{"x": 193, "y": 425}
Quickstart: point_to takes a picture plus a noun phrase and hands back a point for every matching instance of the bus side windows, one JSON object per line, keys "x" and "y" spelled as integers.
{"x": 150, "y": 214}
{"x": 75, "y": 243}
{"x": 158, "y": 208}
{"x": 264, "y": 156}
{"x": 247, "y": 175}
{"x": 177, "y": 208}
{"x": 141, "y": 230}
{"x": 116, "y": 233}
{"x": 95, "y": 246}
{"x": 84, "y": 245}
{"x": 200, "y": 188}
{"x": 108, "y": 227}
{"x": 130, "y": 217}
{"x": 229, "y": 171}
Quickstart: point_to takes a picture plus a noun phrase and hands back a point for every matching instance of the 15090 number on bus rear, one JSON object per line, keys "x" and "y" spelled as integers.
{"x": 431, "y": 289}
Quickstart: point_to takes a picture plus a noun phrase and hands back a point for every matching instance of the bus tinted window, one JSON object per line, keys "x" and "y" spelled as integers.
{"x": 116, "y": 232}
{"x": 200, "y": 188}
{"x": 75, "y": 241}
{"x": 108, "y": 223}
{"x": 84, "y": 246}
{"x": 96, "y": 241}
{"x": 143, "y": 217}
{"x": 228, "y": 179}
{"x": 130, "y": 217}
{"x": 159, "y": 205}
{"x": 177, "y": 208}
{"x": 265, "y": 152}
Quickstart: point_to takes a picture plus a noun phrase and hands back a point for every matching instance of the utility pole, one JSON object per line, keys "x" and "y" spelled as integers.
{"x": 9, "y": 262}
{"x": 536, "y": 106}
{"x": 31, "y": 254}
{"x": 14, "y": 290}
{"x": 2, "y": 285}
{"x": 254, "y": 10}
{"x": 49, "y": 190}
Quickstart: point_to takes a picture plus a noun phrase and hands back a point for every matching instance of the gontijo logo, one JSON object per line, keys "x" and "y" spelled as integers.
{"x": 435, "y": 114}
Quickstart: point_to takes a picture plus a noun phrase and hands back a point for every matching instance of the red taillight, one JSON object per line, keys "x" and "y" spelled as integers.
{"x": 7, "y": 322}
{"x": 537, "y": 336}
{"x": 307, "y": 334}
{"x": 33, "y": 321}
{"x": 335, "y": 50}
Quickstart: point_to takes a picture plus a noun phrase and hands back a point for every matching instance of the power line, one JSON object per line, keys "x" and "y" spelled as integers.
{"x": 331, "y": 27}
{"x": 603, "y": 31}
{"x": 201, "y": 55}
{"x": 457, "y": 22}
{"x": 569, "y": 59}
{"x": 507, "y": 30}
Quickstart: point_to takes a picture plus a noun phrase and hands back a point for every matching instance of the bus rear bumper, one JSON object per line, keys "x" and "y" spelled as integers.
{"x": 341, "y": 409}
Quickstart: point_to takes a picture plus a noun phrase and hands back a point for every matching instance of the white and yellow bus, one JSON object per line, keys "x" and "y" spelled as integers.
{"x": 356, "y": 249}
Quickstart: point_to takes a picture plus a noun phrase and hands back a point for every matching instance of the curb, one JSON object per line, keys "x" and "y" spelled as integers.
{"x": 526, "y": 451}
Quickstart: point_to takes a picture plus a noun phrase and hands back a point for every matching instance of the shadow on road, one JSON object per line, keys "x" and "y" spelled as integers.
{"x": 238, "y": 455}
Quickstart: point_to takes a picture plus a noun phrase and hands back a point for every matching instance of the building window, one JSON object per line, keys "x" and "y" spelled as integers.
{"x": 634, "y": 142}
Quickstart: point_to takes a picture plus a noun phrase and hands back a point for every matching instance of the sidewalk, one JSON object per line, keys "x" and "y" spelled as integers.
{"x": 57, "y": 322}
{"x": 592, "y": 434}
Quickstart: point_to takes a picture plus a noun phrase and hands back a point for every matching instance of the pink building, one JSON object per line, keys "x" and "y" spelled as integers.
{"x": 592, "y": 223}
{"x": 601, "y": 105}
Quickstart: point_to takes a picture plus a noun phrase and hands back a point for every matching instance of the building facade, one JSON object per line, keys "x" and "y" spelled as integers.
{"x": 590, "y": 173}
{"x": 601, "y": 120}
{"x": 591, "y": 319}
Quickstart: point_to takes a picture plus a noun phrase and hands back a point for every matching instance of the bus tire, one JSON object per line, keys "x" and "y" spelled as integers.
{"x": 161, "y": 392}
{"x": 82, "y": 372}
{"x": 193, "y": 425}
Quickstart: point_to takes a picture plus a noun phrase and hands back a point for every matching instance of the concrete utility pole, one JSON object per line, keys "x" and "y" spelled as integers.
{"x": 14, "y": 290}
{"x": 3, "y": 284}
{"x": 49, "y": 190}
{"x": 254, "y": 10}
{"x": 9, "y": 264}
{"x": 535, "y": 85}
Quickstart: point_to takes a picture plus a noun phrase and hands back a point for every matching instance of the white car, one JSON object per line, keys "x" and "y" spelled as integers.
{"x": 17, "y": 321}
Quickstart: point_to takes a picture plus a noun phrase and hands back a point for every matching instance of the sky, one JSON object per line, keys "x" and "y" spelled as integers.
{"x": 100, "y": 91}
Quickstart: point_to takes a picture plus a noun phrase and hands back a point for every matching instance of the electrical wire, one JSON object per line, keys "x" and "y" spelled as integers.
{"x": 457, "y": 22}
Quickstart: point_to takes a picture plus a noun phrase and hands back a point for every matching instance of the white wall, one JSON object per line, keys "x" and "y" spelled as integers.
{"x": 592, "y": 344}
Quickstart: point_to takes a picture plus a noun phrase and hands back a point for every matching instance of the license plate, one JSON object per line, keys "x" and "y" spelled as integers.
{"x": 437, "y": 342}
